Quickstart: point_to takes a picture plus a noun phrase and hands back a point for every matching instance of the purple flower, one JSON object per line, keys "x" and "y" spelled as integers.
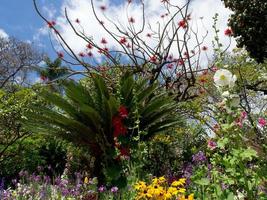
{"x": 101, "y": 188}
{"x": 199, "y": 158}
{"x": 114, "y": 189}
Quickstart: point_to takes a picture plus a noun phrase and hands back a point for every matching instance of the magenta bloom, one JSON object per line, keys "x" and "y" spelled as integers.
{"x": 102, "y": 188}
{"x": 114, "y": 189}
{"x": 262, "y": 122}
{"x": 212, "y": 144}
{"x": 243, "y": 115}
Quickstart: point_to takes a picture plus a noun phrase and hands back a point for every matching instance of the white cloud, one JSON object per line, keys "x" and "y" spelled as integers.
{"x": 82, "y": 10}
{"x": 3, "y": 34}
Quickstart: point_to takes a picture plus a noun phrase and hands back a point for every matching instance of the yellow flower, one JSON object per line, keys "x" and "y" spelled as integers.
{"x": 141, "y": 185}
{"x": 181, "y": 190}
{"x": 180, "y": 182}
{"x": 86, "y": 181}
{"x": 191, "y": 197}
{"x": 172, "y": 191}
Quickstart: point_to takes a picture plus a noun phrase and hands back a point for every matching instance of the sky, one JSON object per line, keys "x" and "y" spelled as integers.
{"x": 19, "y": 19}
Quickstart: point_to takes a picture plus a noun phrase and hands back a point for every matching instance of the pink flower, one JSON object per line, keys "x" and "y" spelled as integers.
{"x": 262, "y": 122}
{"x": 243, "y": 115}
{"x": 228, "y": 32}
{"x": 239, "y": 122}
{"x": 212, "y": 145}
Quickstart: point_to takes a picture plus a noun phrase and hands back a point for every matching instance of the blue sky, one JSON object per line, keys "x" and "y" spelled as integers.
{"x": 20, "y": 20}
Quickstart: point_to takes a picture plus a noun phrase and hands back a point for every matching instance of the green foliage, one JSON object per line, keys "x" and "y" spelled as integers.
{"x": 32, "y": 153}
{"x": 85, "y": 117}
{"x": 249, "y": 24}
{"x": 13, "y": 106}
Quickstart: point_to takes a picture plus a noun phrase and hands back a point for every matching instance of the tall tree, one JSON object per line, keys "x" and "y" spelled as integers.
{"x": 16, "y": 59}
{"x": 249, "y": 25}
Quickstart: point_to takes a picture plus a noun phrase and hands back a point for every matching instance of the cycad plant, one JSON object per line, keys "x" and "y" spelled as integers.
{"x": 109, "y": 121}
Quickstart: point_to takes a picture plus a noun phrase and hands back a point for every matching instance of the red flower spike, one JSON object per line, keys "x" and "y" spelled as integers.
{"x": 131, "y": 20}
{"x": 123, "y": 112}
{"x": 124, "y": 151}
{"x": 228, "y": 32}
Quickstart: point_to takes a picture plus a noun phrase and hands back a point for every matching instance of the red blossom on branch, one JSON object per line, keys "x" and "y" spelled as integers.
{"x": 90, "y": 54}
{"x": 89, "y": 46}
{"x": 103, "y": 41}
{"x": 51, "y": 24}
{"x": 60, "y": 55}
{"x": 182, "y": 24}
{"x": 43, "y": 78}
{"x": 204, "y": 48}
{"x": 153, "y": 59}
{"x": 131, "y": 20}
{"x": 123, "y": 40}
{"x": 103, "y": 8}
{"x": 81, "y": 54}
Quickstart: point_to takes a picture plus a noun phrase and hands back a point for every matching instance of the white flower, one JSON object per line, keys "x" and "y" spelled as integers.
{"x": 226, "y": 94}
{"x": 224, "y": 77}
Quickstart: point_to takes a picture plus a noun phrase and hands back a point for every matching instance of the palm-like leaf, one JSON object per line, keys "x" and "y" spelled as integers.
{"x": 85, "y": 116}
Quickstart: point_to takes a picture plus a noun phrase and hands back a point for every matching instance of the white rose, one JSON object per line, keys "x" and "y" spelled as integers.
{"x": 224, "y": 77}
